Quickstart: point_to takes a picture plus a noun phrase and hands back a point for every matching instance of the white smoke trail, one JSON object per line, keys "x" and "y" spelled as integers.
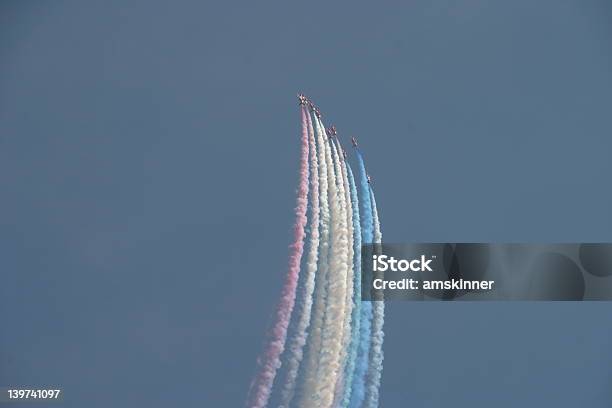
{"x": 378, "y": 319}
{"x": 296, "y": 347}
{"x": 349, "y": 368}
{"x": 331, "y": 341}
{"x": 377, "y": 232}
{"x": 318, "y": 308}
{"x": 362, "y": 361}
{"x": 346, "y": 332}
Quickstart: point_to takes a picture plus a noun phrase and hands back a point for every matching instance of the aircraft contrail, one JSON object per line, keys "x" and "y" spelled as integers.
{"x": 269, "y": 362}
{"x": 310, "y": 368}
{"x": 333, "y": 358}
{"x": 355, "y": 320}
{"x": 378, "y": 319}
{"x": 348, "y": 302}
{"x": 363, "y": 352}
{"x": 331, "y": 340}
{"x": 296, "y": 347}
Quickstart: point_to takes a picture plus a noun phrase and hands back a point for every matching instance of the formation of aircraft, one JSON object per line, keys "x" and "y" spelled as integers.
{"x": 303, "y": 99}
{"x": 331, "y": 131}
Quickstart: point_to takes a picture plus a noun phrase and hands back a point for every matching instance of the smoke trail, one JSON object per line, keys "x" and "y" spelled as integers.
{"x": 377, "y": 232}
{"x": 318, "y": 313}
{"x": 378, "y": 319}
{"x": 296, "y": 347}
{"x": 355, "y": 319}
{"x": 331, "y": 340}
{"x": 269, "y": 362}
{"x": 348, "y": 302}
{"x": 363, "y": 354}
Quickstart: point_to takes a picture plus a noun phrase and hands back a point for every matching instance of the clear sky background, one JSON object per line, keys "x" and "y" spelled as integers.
{"x": 148, "y": 166}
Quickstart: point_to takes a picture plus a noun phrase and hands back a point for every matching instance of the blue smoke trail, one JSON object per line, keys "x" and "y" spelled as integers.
{"x": 355, "y": 319}
{"x": 367, "y": 226}
{"x": 378, "y": 335}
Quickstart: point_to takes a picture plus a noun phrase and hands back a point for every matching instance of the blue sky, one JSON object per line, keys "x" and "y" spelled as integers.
{"x": 148, "y": 165}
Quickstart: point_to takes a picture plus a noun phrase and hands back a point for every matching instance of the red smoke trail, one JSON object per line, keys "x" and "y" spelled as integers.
{"x": 295, "y": 350}
{"x": 269, "y": 362}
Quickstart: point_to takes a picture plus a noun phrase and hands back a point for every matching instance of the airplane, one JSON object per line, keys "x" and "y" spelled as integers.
{"x": 317, "y": 112}
{"x": 331, "y": 131}
{"x": 369, "y": 179}
{"x": 354, "y": 141}
{"x": 303, "y": 99}
{"x": 344, "y": 153}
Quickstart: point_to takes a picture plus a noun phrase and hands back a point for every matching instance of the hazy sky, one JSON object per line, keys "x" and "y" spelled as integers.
{"x": 148, "y": 166}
